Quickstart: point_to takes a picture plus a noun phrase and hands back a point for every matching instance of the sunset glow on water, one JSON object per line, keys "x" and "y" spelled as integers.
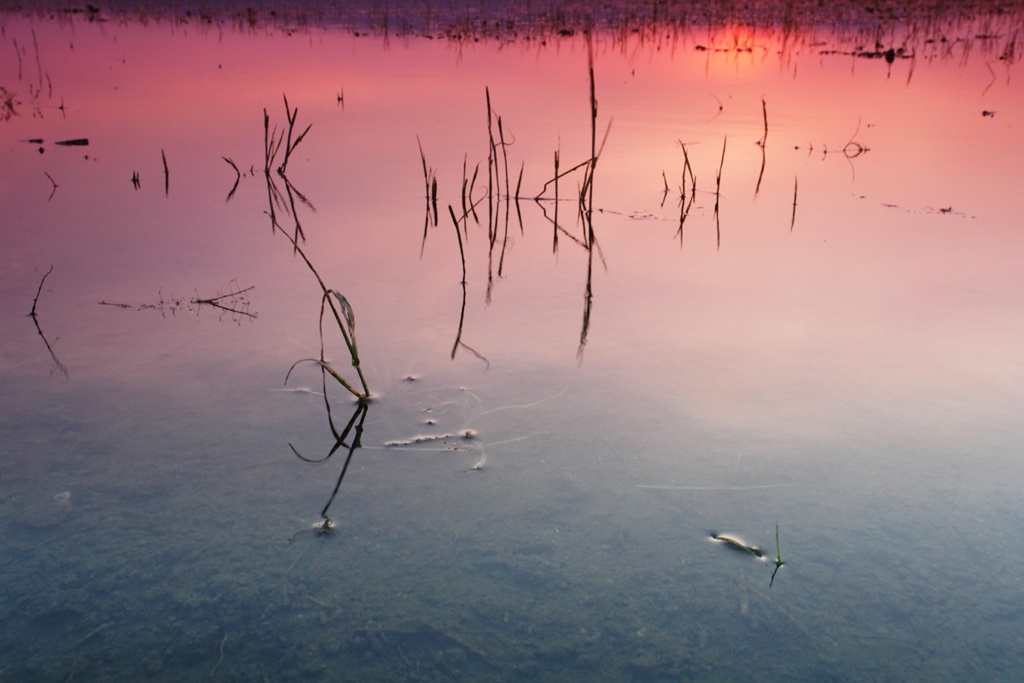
{"x": 806, "y": 338}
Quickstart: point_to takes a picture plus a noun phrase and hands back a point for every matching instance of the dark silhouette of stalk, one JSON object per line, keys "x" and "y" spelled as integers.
{"x": 52, "y": 182}
{"x": 458, "y": 234}
{"x": 429, "y": 183}
{"x": 272, "y": 140}
{"x": 554, "y": 245}
{"x": 355, "y": 428}
{"x": 778, "y": 556}
{"x": 39, "y": 291}
{"x": 762, "y": 143}
{"x": 340, "y": 308}
{"x": 238, "y": 178}
{"x": 167, "y": 175}
{"x": 493, "y": 179}
{"x": 35, "y": 320}
{"x": 684, "y": 212}
{"x": 718, "y": 194}
{"x": 792, "y": 220}
{"x": 231, "y": 307}
{"x": 289, "y": 144}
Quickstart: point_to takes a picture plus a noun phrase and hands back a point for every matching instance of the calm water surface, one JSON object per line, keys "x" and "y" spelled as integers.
{"x": 788, "y": 309}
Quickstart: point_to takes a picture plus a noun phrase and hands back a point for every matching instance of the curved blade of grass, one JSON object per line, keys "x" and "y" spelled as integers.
{"x": 329, "y": 369}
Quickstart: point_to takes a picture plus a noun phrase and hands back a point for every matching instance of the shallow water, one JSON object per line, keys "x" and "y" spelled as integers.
{"x": 822, "y": 346}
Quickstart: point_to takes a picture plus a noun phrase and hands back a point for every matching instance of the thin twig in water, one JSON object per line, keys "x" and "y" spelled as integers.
{"x": 778, "y": 556}
{"x": 238, "y": 178}
{"x": 39, "y": 291}
{"x": 167, "y": 174}
{"x": 762, "y": 143}
{"x": 718, "y": 194}
{"x": 792, "y": 220}
{"x": 458, "y": 234}
{"x": 429, "y": 182}
{"x": 291, "y": 115}
{"x": 54, "y": 183}
{"x": 764, "y": 110}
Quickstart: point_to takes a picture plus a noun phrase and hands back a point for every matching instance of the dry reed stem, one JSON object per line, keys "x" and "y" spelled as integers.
{"x": 458, "y": 234}
{"x": 792, "y": 220}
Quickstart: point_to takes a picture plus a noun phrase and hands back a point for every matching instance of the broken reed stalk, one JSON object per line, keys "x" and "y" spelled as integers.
{"x": 345, "y": 318}
{"x": 593, "y": 112}
{"x": 687, "y": 168}
{"x": 35, "y": 321}
{"x": 360, "y": 414}
{"x": 347, "y": 328}
{"x": 465, "y": 185}
{"x": 429, "y": 181}
{"x": 291, "y": 115}
{"x": 493, "y": 181}
{"x": 504, "y": 156}
{"x": 778, "y": 556}
{"x": 556, "y": 199}
{"x": 764, "y": 111}
{"x": 792, "y": 220}
{"x": 721, "y": 163}
{"x": 472, "y": 182}
{"x": 271, "y": 143}
{"x": 458, "y": 233}
{"x": 519, "y": 185}
{"x": 763, "y": 144}
{"x": 39, "y": 291}
{"x": 52, "y": 182}
{"x": 167, "y": 174}
{"x": 238, "y": 178}
{"x": 561, "y": 175}
{"x": 718, "y": 194}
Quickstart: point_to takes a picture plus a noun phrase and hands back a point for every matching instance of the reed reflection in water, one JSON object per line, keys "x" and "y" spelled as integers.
{"x": 783, "y": 309}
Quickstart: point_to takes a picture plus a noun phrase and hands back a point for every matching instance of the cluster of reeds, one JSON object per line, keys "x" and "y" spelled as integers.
{"x": 331, "y": 299}
{"x": 430, "y": 187}
{"x": 585, "y": 199}
{"x": 350, "y": 436}
{"x": 272, "y": 139}
{"x": 851, "y": 150}
{"x": 685, "y": 200}
{"x": 501, "y": 194}
{"x": 498, "y": 203}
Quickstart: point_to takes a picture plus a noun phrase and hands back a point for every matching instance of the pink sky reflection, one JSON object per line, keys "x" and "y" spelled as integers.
{"x": 901, "y": 271}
